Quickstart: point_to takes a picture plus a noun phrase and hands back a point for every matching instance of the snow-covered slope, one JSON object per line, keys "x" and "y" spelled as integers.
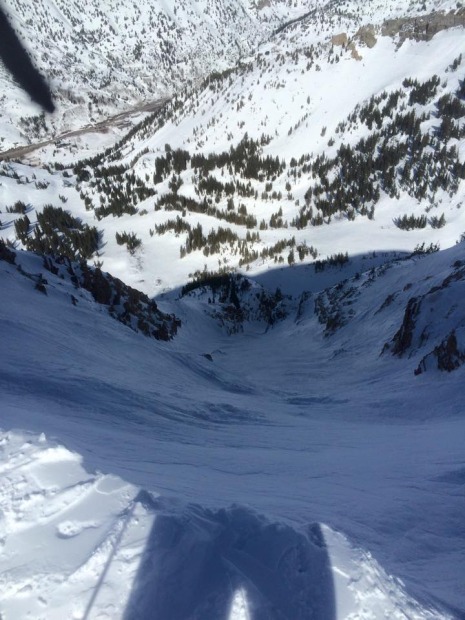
{"x": 116, "y": 55}
{"x": 96, "y": 547}
{"x": 335, "y": 137}
{"x": 300, "y": 422}
{"x": 279, "y": 432}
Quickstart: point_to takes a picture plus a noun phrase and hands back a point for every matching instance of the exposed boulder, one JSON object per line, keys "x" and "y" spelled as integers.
{"x": 340, "y": 39}
{"x": 402, "y": 340}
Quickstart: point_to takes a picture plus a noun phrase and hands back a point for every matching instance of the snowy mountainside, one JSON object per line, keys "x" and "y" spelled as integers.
{"x": 255, "y": 419}
{"x": 420, "y": 320}
{"x": 278, "y": 160}
{"x": 50, "y": 494}
{"x": 116, "y": 55}
{"x": 127, "y": 305}
{"x": 259, "y": 414}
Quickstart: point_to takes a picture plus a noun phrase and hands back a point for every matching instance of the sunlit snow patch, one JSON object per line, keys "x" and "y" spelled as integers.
{"x": 364, "y": 590}
{"x": 240, "y": 606}
{"x": 70, "y": 541}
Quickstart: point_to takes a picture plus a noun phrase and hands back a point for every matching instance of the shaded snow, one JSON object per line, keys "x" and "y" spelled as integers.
{"x": 286, "y": 424}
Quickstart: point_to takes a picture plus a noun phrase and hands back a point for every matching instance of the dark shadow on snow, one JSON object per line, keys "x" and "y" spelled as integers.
{"x": 306, "y": 277}
{"x": 198, "y": 562}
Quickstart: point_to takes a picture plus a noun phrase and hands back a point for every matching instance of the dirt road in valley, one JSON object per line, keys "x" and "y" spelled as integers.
{"x": 117, "y": 120}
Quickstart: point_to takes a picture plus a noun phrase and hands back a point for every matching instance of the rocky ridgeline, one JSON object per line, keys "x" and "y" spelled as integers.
{"x": 418, "y": 28}
{"x": 423, "y": 27}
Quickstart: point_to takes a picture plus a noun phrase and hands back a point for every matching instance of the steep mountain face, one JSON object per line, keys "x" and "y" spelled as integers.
{"x": 283, "y": 329}
{"x": 343, "y": 464}
{"x": 421, "y": 318}
{"x": 116, "y": 55}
